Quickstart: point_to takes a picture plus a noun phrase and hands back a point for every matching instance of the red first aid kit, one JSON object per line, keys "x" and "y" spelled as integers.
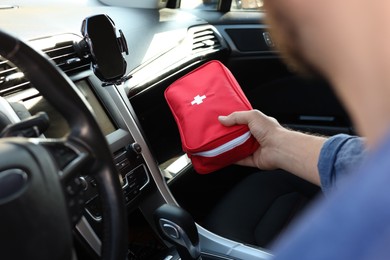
{"x": 196, "y": 100}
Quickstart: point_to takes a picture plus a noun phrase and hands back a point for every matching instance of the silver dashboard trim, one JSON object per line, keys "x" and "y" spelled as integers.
{"x": 133, "y": 170}
{"x": 86, "y": 231}
{"x": 119, "y": 96}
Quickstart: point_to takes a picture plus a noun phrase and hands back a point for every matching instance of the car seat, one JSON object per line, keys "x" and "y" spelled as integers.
{"x": 260, "y": 206}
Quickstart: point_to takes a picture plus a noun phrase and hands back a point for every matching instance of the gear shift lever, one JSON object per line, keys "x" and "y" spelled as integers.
{"x": 178, "y": 227}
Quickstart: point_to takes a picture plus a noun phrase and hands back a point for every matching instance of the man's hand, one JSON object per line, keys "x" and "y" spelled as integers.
{"x": 264, "y": 129}
{"x": 279, "y": 147}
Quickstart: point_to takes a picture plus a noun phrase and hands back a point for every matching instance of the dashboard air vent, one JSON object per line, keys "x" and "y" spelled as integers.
{"x": 65, "y": 57}
{"x": 11, "y": 78}
{"x": 204, "y": 39}
{"x": 59, "y": 49}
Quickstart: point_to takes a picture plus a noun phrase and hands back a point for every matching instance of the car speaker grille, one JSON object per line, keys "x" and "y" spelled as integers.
{"x": 62, "y": 53}
{"x": 204, "y": 39}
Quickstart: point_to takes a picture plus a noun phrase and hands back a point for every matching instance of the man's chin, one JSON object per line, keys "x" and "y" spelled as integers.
{"x": 291, "y": 52}
{"x": 299, "y": 67}
{"x": 298, "y": 64}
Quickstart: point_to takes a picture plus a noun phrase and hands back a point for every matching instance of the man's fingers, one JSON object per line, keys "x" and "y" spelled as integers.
{"x": 236, "y": 118}
{"x": 248, "y": 161}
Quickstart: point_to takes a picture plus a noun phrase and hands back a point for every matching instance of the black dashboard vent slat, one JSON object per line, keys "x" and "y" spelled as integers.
{"x": 11, "y": 78}
{"x": 62, "y": 53}
{"x": 205, "y": 39}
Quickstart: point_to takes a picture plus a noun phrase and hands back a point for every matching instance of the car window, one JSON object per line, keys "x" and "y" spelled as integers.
{"x": 199, "y": 4}
{"x": 237, "y": 5}
{"x": 247, "y": 5}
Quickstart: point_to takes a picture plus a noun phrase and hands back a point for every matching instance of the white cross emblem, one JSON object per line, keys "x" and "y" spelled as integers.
{"x": 198, "y": 100}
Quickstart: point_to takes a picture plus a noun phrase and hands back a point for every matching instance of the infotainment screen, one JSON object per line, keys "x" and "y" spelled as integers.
{"x": 58, "y": 126}
{"x": 102, "y": 118}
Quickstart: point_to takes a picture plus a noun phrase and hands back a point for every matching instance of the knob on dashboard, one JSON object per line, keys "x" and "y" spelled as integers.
{"x": 135, "y": 148}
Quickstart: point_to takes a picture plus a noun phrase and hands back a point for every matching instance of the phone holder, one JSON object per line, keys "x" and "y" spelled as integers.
{"x": 105, "y": 49}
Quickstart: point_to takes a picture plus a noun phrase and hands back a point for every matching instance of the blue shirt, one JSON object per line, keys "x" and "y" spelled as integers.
{"x": 352, "y": 221}
{"x": 339, "y": 155}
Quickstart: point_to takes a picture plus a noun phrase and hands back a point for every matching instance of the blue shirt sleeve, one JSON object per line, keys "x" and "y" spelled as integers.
{"x": 352, "y": 222}
{"x": 339, "y": 154}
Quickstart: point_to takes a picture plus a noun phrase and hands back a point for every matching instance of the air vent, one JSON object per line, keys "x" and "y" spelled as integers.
{"x": 11, "y": 78}
{"x": 59, "y": 49}
{"x": 64, "y": 55}
{"x": 204, "y": 39}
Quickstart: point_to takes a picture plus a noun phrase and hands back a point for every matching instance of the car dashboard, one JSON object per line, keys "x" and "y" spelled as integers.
{"x": 164, "y": 44}
{"x": 161, "y": 50}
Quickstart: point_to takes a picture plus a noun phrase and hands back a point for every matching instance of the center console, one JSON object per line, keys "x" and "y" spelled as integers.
{"x": 134, "y": 176}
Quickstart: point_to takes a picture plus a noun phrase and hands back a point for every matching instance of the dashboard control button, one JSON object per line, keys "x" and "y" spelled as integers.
{"x": 83, "y": 183}
{"x": 135, "y": 147}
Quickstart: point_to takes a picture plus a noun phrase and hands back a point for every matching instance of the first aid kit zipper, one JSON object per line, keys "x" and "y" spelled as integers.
{"x": 226, "y": 147}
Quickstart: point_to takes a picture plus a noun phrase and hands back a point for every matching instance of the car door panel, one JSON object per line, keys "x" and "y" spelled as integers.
{"x": 303, "y": 103}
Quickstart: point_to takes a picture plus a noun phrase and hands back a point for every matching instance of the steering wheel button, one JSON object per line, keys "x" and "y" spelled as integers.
{"x": 12, "y": 183}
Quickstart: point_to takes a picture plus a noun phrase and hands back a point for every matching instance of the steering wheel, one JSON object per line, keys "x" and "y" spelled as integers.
{"x": 37, "y": 174}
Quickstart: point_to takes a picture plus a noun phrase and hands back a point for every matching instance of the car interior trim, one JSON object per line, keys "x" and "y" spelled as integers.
{"x": 87, "y": 232}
